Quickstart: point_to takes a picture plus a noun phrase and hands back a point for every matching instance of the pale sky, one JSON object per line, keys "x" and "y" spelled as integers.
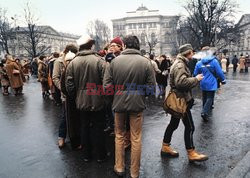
{"x": 73, "y": 16}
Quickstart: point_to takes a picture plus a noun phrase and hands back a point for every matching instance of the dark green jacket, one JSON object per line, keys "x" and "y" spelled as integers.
{"x": 129, "y": 68}
{"x": 85, "y": 70}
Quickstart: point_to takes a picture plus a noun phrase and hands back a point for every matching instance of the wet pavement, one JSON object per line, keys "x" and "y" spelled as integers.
{"x": 29, "y": 125}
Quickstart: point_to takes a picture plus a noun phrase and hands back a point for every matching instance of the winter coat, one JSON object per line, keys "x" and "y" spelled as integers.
{"x": 129, "y": 74}
{"x": 211, "y": 70}
{"x": 191, "y": 65}
{"x": 16, "y": 79}
{"x": 181, "y": 80}
{"x": 247, "y": 61}
{"x": 4, "y": 77}
{"x": 155, "y": 67}
{"x": 42, "y": 71}
{"x": 224, "y": 64}
{"x": 235, "y": 61}
{"x": 58, "y": 69}
{"x": 84, "y": 81}
{"x": 242, "y": 63}
{"x": 161, "y": 79}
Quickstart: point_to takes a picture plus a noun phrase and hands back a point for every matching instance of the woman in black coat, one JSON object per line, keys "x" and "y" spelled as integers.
{"x": 162, "y": 78}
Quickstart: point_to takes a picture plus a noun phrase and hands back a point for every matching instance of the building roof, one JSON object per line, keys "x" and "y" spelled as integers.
{"x": 142, "y": 8}
{"x": 142, "y": 12}
{"x": 49, "y": 30}
{"x": 246, "y": 18}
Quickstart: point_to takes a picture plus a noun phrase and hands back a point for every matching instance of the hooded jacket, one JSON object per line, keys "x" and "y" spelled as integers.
{"x": 211, "y": 70}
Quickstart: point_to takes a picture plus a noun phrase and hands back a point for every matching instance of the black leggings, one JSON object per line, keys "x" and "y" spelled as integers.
{"x": 188, "y": 133}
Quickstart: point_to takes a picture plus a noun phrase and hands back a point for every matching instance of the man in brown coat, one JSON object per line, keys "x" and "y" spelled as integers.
{"x": 84, "y": 84}
{"x": 15, "y": 75}
{"x": 129, "y": 74}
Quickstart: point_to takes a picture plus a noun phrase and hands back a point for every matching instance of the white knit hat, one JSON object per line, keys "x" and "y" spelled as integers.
{"x": 69, "y": 56}
{"x": 83, "y": 40}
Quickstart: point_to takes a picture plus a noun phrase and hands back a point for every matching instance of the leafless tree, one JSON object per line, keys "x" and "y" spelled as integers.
{"x": 149, "y": 40}
{"x": 33, "y": 36}
{"x": 100, "y": 31}
{"x": 209, "y": 22}
{"x": 5, "y": 30}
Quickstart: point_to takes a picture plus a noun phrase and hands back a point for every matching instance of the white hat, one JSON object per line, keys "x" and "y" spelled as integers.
{"x": 83, "y": 40}
{"x": 69, "y": 56}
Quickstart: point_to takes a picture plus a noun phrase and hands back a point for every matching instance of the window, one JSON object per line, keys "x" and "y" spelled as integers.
{"x": 153, "y": 39}
{"x": 167, "y": 38}
{"x": 140, "y": 25}
{"x": 166, "y": 25}
{"x": 143, "y": 41}
{"x": 130, "y": 26}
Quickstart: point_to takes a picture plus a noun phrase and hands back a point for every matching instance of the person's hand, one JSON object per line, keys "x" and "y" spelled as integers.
{"x": 199, "y": 77}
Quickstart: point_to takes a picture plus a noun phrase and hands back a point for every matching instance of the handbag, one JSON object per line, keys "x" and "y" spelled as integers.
{"x": 176, "y": 106}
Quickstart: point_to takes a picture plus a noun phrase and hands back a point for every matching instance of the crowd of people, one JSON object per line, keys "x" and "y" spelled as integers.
{"x": 105, "y": 91}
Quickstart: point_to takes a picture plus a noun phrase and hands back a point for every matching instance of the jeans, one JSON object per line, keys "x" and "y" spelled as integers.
{"x": 188, "y": 133}
{"x": 208, "y": 100}
{"x": 63, "y": 125}
{"x": 135, "y": 135}
{"x": 92, "y": 133}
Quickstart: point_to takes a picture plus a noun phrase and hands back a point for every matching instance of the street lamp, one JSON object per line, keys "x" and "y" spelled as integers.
{"x": 17, "y": 40}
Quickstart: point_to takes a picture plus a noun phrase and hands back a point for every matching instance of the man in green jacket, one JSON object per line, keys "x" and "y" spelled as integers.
{"x": 181, "y": 82}
{"x": 83, "y": 83}
{"x": 130, "y": 75}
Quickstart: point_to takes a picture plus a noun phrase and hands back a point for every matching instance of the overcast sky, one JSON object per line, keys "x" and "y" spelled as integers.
{"x": 73, "y": 16}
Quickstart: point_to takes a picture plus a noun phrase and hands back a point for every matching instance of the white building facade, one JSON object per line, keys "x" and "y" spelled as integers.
{"x": 151, "y": 28}
{"x": 243, "y": 44}
{"x": 55, "y": 41}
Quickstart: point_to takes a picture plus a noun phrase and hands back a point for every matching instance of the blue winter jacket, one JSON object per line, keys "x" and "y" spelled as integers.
{"x": 209, "y": 82}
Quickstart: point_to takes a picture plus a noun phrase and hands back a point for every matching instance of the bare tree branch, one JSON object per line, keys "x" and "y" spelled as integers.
{"x": 100, "y": 31}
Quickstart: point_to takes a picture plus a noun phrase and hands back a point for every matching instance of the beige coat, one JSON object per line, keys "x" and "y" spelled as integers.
{"x": 242, "y": 63}
{"x": 16, "y": 79}
{"x": 224, "y": 64}
{"x": 42, "y": 71}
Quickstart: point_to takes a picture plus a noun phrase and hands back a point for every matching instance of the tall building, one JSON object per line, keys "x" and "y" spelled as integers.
{"x": 47, "y": 36}
{"x": 157, "y": 33}
{"x": 243, "y": 44}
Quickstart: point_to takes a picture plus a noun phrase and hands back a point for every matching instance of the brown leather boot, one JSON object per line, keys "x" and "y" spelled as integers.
{"x": 166, "y": 150}
{"x": 193, "y": 155}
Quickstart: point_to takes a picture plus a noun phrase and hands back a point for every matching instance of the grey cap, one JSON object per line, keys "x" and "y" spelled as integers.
{"x": 184, "y": 49}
